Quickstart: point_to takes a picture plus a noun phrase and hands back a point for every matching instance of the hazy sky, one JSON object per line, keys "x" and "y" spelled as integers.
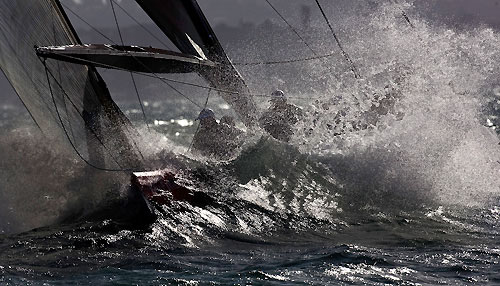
{"x": 98, "y": 12}
{"x": 232, "y": 12}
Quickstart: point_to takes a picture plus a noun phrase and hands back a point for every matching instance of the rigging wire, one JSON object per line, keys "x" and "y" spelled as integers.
{"x": 165, "y": 45}
{"x": 316, "y": 57}
{"x": 196, "y": 85}
{"x": 292, "y": 28}
{"x": 206, "y": 100}
{"x": 235, "y": 63}
{"x": 133, "y": 80}
{"x": 199, "y": 124}
{"x": 131, "y": 75}
{"x": 47, "y": 72}
{"x": 24, "y": 104}
{"x": 403, "y": 13}
{"x": 177, "y": 81}
{"x": 309, "y": 46}
{"x": 106, "y": 37}
{"x": 344, "y": 53}
{"x": 109, "y": 39}
{"x": 407, "y": 18}
{"x": 167, "y": 80}
{"x": 141, "y": 25}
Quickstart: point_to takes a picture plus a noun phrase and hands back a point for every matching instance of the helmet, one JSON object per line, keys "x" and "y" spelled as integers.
{"x": 206, "y": 113}
{"x": 278, "y": 94}
{"x": 278, "y": 97}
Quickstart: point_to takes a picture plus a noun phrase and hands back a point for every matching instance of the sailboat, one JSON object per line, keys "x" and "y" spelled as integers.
{"x": 55, "y": 75}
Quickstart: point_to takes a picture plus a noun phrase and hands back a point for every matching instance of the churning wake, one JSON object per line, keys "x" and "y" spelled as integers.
{"x": 417, "y": 132}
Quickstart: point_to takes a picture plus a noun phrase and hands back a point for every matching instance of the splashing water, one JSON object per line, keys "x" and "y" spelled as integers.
{"x": 381, "y": 175}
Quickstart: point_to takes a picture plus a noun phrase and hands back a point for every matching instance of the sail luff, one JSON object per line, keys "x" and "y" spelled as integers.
{"x": 66, "y": 23}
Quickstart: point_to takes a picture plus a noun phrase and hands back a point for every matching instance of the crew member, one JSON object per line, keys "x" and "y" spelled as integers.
{"x": 279, "y": 119}
{"x": 213, "y": 139}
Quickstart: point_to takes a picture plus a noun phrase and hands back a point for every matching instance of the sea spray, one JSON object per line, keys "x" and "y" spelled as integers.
{"x": 411, "y": 199}
{"x": 44, "y": 182}
{"x": 345, "y": 159}
{"x": 443, "y": 80}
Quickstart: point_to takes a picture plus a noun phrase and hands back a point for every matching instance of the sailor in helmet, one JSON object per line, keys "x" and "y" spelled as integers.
{"x": 279, "y": 119}
{"x": 207, "y": 118}
{"x": 214, "y": 139}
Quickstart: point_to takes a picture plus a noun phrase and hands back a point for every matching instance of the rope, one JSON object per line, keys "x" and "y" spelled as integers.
{"x": 316, "y": 57}
{"x": 291, "y": 27}
{"x": 131, "y": 75}
{"x": 308, "y": 46}
{"x": 206, "y": 101}
{"x": 198, "y": 127}
{"x": 344, "y": 53}
{"x": 109, "y": 39}
{"x": 166, "y": 80}
{"x": 47, "y": 71}
{"x": 116, "y": 22}
{"x": 179, "y": 81}
{"x": 87, "y": 23}
{"x": 235, "y": 63}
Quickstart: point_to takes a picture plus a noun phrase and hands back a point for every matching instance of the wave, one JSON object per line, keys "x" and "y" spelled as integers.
{"x": 348, "y": 161}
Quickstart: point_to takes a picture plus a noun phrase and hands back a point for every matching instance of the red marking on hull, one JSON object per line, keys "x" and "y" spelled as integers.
{"x": 160, "y": 187}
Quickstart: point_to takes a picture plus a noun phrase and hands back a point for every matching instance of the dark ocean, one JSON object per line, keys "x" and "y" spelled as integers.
{"x": 282, "y": 217}
{"x": 413, "y": 198}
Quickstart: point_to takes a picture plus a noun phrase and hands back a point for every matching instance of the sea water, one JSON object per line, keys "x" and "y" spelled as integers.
{"x": 413, "y": 199}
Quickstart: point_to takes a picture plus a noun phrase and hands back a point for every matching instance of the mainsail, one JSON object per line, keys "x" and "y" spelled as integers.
{"x": 65, "y": 99}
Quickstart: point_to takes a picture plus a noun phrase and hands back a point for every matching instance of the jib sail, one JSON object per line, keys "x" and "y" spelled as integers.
{"x": 65, "y": 99}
